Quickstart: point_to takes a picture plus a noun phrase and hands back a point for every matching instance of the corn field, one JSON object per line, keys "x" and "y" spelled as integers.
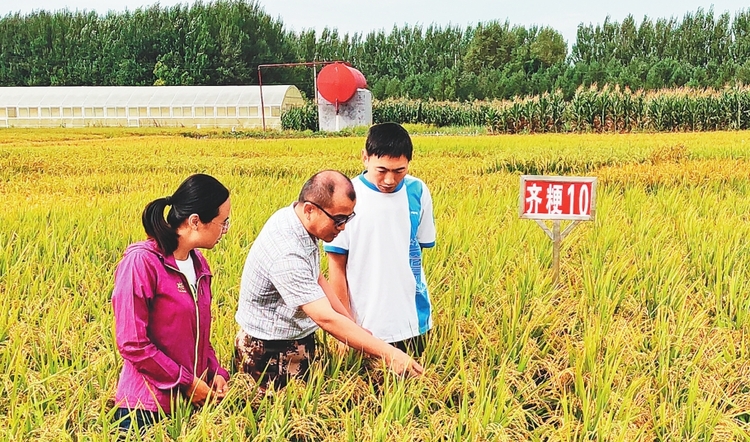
{"x": 646, "y": 338}
{"x": 605, "y": 110}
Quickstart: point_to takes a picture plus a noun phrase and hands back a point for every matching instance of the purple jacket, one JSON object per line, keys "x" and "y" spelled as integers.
{"x": 159, "y": 334}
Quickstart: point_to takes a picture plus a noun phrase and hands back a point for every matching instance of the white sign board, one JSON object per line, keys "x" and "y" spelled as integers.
{"x": 557, "y": 198}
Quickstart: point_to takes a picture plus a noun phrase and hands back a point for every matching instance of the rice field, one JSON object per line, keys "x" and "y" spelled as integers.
{"x": 644, "y": 339}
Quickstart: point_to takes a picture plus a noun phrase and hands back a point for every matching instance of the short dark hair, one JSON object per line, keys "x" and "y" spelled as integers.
{"x": 200, "y": 194}
{"x": 388, "y": 140}
{"x": 321, "y": 187}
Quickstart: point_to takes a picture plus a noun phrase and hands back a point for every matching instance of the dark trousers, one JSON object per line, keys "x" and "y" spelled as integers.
{"x": 412, "y": 346}
{"x": 136, "y": 418}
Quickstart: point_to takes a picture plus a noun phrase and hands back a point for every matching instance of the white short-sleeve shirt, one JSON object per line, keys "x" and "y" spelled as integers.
{"x": 387, "y": 284}
{"x": 280, "y": 276}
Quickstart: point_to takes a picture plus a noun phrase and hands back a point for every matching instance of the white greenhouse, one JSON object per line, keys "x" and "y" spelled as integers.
{"x": 139, "y": 106}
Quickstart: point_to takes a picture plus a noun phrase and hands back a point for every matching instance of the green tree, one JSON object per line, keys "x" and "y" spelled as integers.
{"x": 491, "y": 47}
{"x": 548, "y": 48}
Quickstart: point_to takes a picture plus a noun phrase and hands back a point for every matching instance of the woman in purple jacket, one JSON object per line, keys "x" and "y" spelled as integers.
{"x": 162, "y": 305}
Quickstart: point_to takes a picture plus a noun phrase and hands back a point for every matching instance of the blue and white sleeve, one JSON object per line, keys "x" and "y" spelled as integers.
{"x": 426, "y": 230}
{"x": 339, "y": 245}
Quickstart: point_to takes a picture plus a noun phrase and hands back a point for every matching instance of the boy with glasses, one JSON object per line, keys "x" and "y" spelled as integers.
{"x": 375, "y": 265}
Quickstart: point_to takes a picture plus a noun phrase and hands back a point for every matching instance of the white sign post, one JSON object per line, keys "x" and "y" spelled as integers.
{"x": 557, "y": 198}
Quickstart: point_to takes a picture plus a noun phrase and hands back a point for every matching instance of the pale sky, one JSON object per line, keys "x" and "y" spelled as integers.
{"x": 364, "y": 16}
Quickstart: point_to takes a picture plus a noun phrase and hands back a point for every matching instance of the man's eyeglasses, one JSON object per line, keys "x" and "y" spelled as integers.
{"x": 224, "y": 225}
{"x": 338, "y": 220}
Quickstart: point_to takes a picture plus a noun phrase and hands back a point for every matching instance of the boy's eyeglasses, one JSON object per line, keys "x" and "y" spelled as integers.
{"x": 338, "y": 220}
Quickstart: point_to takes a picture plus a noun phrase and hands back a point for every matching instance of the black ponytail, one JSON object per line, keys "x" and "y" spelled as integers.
{"x": 156, "y": 226}
{"x": 200, "y": 194}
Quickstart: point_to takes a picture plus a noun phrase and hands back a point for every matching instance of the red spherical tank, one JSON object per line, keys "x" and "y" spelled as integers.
{"x": 338, "y": 83}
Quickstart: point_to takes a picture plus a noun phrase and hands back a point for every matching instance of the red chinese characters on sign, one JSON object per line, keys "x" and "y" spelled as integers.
{"x": 549, "y": 197}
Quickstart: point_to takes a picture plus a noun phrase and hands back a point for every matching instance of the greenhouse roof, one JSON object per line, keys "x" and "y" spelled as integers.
{"x": 155, "y": 96}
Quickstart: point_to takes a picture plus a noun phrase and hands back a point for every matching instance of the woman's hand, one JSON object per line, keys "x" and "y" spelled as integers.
{"x": 199, "y": 392}
{"x": 219, "y": 387}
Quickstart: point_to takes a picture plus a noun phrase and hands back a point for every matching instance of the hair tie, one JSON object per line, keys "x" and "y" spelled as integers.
{"x": 168, "y": 200}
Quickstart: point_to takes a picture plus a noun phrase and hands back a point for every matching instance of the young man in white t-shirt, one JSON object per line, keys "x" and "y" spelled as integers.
{"x": 375, "y": 265}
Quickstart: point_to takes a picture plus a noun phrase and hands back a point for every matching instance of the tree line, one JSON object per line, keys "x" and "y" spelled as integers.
{"x": 223, "y": 43}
